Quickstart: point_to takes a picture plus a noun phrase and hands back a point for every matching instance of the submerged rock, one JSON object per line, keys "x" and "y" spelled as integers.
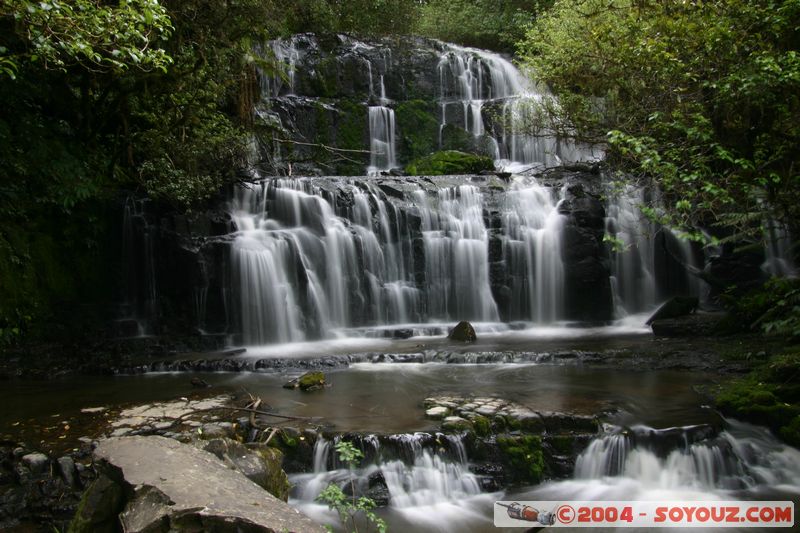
{"x": 172, "y": 489}
{"x": 463, "y": 332}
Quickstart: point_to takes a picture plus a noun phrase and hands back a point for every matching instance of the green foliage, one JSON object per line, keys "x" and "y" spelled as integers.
{"x": 493, "y": 24}
{"x": 359, "y": 17}
{"x": 95, "y": 35}
{"x": 701, "y": 96}
{"x": 449, "y": 162}
{"x": 105, "y": 97}
{"x": 349, "y": 508}
{"x": 773, "y": 309}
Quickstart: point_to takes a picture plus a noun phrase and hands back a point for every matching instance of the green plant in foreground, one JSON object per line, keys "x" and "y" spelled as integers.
{"x": 349, "y": 507}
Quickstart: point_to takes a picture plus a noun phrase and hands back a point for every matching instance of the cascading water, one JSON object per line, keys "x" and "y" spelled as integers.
{"x": 424, "y": 484}
{"x": 471, "y": 80}
{"x": 382, "y": 140}
{"x": 314, "y": 257}
{"x": 456, "y": 264}
{"x": 140, "y": 301}
{"x": 532, "y": 229}
{"x": 642, "y": 463}
{"x": 632, "y": 257}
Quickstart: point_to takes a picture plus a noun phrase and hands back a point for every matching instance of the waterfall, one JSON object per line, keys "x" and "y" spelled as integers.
{"x": 456, "y": 260}
{"x": 138, "y": 310}
{"x": 532, "y": 230}
{"x": 382, "y": 140}
{"x": 642, "y": 462}
{"x": 313, "y": 257}
{"x": 286, "y": 56}
{"x": 779, "y": 261}
{"x": 470, "y": 80}
{"x": 418, "y": 477}
{"x": 632, "y": 253}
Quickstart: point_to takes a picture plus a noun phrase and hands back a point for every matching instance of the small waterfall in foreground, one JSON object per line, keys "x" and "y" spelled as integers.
{"x": 420, "y": 476}
{"x": 680, "y": 463}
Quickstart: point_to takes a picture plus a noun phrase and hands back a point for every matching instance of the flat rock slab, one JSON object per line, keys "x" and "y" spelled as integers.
{"x": 185, "y": 487}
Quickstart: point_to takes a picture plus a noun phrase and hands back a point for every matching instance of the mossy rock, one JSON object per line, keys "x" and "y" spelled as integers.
{"x": 761, "y": 402}
{"x": 277, "y": 482}
{"x": 791, "y": 432}
{"x": 456, "y": 424}
{"x": 310, "y": 381}
{"x": 449, "y": 162}
{"x": 523, "y": 457}
{"x": 482, "y": 425}
{"x": 562, "y": 444}
{"x": 463, "y": 332}
{"x": 418, "y": 128}
{"x": 99, "y": 508}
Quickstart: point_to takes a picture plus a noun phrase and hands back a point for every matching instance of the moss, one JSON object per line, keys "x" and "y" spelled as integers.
{"x": 483, "y": 427}
{"x": 455, "y": 424}
{"x": 277, "y": 482}
{"x": 523, "y": 457}
{"x": 311, "y": 381}
{"x": 449, "y": 162}
{"x": 791, "y": 432}
{"x": 99, "y": 507}
{"x": 562, "y": 444}
{"x": 418, "y": 129}
{"x": 767, "y": 397}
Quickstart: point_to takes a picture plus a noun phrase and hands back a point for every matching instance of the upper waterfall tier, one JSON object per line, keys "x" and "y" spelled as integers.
{"x": 405, "y": 97}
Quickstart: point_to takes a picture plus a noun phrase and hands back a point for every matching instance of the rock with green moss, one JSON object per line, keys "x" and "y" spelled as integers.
{"x": 760, "y": 401}
{"x": 449, "y": 162}
{"x": 463, "y": 332}
{"x": 261, "y": 464}
{"x": 456, "y": 424}
{"x": 482, "y": 425}
{"x": 523, "y": 457}
{"x": 99, "y": 508}
{"x": 310, "y": 381}
{"x": 277, "y": 482}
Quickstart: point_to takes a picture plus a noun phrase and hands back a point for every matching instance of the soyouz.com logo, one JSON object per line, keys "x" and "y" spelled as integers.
{"x": 681, "y": 514}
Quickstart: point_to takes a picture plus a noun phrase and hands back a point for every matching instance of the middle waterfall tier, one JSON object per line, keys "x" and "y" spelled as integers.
{"x": 315, "y": 256}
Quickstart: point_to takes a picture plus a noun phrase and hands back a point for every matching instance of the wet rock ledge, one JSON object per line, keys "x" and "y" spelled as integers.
{"x": 159, "y": 484}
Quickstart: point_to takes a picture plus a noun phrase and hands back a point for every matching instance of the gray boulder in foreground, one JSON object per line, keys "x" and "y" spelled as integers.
{"x": 178, "y": 487}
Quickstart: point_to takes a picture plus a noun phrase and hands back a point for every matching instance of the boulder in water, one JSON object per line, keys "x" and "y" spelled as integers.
{"x": 463, "y": 332}
{"x": 674, "y": 308}
{"x": 310, "y": 381}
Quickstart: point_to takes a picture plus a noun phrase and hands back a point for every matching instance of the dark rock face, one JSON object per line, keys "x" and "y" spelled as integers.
{"x": 586, "y": 267}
